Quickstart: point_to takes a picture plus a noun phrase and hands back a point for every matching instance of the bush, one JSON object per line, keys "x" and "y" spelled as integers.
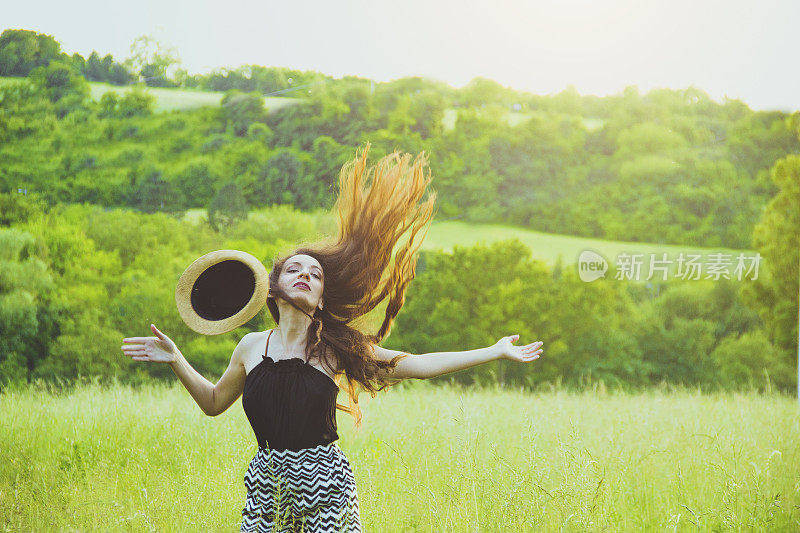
{"x": 136, "y": 103}
{"x": 58, "y": 80}
{"x": 748, "y": 359}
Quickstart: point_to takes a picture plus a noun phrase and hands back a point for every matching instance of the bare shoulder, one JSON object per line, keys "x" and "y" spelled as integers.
{"x": 246, "y": 344}
{"x": 256, "y": 336}
{"x": 253, "y": 337}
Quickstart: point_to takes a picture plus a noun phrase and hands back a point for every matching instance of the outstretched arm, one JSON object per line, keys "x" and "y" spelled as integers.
{"x": 434, "y": 364}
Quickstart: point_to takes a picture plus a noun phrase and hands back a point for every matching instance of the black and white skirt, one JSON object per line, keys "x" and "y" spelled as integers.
{"x": 311, "y": 490}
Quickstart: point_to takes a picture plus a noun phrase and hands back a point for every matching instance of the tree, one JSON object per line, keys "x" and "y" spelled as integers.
{"x": 107, "y": 107}
{"x": 24, "y": 283}
{"x": 481, "y": 91}
{"x": 79, "y": 64}
{"x": 136, "y": 102}
{"x": 648, "y": 138}
{"x": 328, "y": 158}
{"x": 240, "y": 110}
{"x": 94, "y": 67}
{"x": 107, "y": 63}
{"x": 196, "y": 181}
{"x": 23, "y": 50}
{"x": 400, "y": 119}
{"x": 227, "y": 208}
{"x": 776, "y": 237}
{"x": 16, "y": 208}
{"x": 152, "y": 61}
{"x": 58, "y": 80}
{"x": 155, "y": 194}
{"x": 155, "y": 75}
{"x": 744, "y": 360}
{"x": 119, "y": 75}
{"x": 278, "y": 181}
{"x": 500, "y": 288}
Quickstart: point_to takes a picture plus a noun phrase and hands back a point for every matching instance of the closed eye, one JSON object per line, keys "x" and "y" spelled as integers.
{"x": 295, "y": 270}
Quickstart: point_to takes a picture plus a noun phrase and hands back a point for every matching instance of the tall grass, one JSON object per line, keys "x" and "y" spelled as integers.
{"x": 428, "y": 458}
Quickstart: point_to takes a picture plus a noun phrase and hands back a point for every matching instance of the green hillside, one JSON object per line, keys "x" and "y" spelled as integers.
{"x": 170, "y": 99}
{"x": 513, "y": 118}
{"x": 524, "y": 185}
{"x": 546, "y": 247}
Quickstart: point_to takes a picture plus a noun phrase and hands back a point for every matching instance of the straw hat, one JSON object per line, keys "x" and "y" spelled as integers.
{"x": 221, "y": 291}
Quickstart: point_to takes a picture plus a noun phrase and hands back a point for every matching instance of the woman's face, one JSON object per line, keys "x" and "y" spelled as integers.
{"x": 302, "y": 277}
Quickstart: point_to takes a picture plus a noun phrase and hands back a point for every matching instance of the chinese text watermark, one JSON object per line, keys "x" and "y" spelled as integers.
{"x": 687, "y": 266}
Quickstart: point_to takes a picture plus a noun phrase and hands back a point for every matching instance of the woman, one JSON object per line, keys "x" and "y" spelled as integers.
{"x": 289, "y": 377}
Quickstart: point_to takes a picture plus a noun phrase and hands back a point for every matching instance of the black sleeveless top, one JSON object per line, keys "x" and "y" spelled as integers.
{"x": 290, "y": 404}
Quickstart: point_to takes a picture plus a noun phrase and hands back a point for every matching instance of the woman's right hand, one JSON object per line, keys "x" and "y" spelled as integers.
{"x": 158, "y": 349}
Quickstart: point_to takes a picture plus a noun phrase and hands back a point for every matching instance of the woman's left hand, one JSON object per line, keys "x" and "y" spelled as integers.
{"x": 522, "y": 354}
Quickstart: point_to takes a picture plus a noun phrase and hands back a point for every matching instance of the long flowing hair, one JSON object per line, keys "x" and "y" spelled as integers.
{"x": 376, "y": 206}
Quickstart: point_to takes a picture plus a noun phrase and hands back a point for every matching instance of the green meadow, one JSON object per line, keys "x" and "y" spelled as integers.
{"x": 427, "y": 458}
{"x": 515, "y": 117}
{"x": 549, "y": 248}
{"x": 169, "y": 99}
{"x": 564, "y": 454}
{"x": 172, "y": 99}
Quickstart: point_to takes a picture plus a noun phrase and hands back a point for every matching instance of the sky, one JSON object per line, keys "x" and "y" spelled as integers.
{"x": 739, "y": 49}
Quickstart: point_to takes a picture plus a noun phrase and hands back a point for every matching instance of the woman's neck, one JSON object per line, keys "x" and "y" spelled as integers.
{"x": 292, "y": 329}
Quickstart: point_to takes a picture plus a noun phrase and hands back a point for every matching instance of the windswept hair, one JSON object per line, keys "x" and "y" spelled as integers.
{"x": 377, "y": 206}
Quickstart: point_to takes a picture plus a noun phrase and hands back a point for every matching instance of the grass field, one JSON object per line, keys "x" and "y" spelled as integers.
{"x": 514, "y": 118}
{"x": 426, "y": 459}
{"x": 169, "y": 99}
{"x": 172, "y": 99}
{"x": 546, "y": 247}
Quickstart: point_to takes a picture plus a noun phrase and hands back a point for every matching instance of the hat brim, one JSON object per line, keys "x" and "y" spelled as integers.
{"x": 221, "y": 291}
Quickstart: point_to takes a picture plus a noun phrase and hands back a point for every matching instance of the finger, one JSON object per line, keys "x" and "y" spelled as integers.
{"x": 135, "y": 352}
{"x": 136, "y": 339}
{"x": 133, "y": 347}
{"x": 159, "y": 335}
{"x": 514, "y": 338}
{"x": 141, "y": 358}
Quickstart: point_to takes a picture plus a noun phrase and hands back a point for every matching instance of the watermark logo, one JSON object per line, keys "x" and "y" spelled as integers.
{"x": 591, "y": 266}
{"x": 716, "y": 266}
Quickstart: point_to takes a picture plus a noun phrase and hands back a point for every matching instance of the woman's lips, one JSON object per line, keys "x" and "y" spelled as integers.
{"x": 302, "y": 285}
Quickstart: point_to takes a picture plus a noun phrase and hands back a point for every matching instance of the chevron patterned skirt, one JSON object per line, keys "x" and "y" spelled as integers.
{"x": 310, "y": 490}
